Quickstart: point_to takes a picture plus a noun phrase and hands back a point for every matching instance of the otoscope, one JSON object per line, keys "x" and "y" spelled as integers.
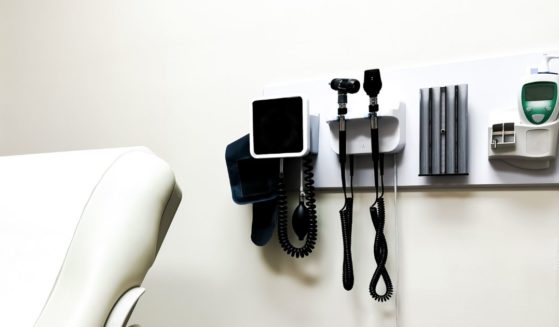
{"x": 345, "y": 86}
{"x": 372, "y": 85}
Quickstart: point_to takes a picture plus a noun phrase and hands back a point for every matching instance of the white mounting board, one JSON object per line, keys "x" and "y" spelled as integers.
{"x": 493, "y": 85}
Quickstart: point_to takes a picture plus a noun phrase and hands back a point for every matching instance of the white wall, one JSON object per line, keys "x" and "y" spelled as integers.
{"x": 176, "y": 76}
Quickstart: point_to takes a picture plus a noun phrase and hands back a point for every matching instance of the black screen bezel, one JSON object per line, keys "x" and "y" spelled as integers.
{"x": 278, "y": 126}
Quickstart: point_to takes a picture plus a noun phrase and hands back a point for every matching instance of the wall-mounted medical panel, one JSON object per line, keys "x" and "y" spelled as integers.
{"x": 493, "y": 86}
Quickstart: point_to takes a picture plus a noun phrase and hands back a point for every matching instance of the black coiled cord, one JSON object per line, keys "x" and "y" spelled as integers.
{"x": 380, "y": 248}
{"x": 310, "y": 195}
{"x": 346, "y": 219}
{"x": 312, "y": 234}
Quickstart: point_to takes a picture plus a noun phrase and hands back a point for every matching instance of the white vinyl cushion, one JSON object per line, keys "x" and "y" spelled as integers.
{"x": 95, "y": 217}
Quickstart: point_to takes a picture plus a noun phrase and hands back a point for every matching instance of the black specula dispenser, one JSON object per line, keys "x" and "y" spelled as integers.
{"x": 443, "y": 132}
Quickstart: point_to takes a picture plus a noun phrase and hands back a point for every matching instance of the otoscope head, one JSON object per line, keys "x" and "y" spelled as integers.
{"x": 345, "y": 85}
{"x": 372, "y": 82}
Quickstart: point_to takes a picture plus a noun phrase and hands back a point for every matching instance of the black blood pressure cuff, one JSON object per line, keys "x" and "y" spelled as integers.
{"x": 254, "y": 181}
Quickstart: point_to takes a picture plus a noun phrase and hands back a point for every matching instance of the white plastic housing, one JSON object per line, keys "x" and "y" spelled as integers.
{"x": 554, "y": 78}
{"x": 392, "y": 132}
{"x": 534, "y": 146}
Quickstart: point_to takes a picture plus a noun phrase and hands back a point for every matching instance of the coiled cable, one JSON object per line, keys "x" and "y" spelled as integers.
{"x": 346, "y": 219}
{"x": 312, "y": 234}
{"x": 372, "y": 86}
{"x": 310, "y": 203}
{"x": 378, "y": 212}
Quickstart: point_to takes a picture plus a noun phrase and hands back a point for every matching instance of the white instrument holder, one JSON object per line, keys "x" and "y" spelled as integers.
{"x": 392, "y": 132}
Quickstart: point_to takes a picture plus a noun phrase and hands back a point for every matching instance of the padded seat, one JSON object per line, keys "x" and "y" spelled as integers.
{"x": 78, "y": 232}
